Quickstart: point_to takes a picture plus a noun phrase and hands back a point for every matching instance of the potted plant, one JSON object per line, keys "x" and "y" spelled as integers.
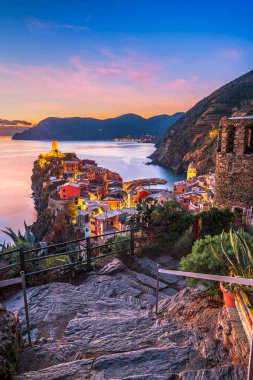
{"x": 237, "y": 263}
{"x": 228, "y": 296}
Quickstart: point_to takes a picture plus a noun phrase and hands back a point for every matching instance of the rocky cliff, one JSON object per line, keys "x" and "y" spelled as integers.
{"x": 193, "y": 136}
{"x": 106, "y": 328}
{"x": 47, "y": 227}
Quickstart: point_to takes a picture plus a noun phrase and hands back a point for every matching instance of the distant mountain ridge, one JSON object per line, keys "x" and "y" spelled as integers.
{"x": 194, "y": 136}
{"x": 9, "y": 127}
{"x": 77, "y": 128}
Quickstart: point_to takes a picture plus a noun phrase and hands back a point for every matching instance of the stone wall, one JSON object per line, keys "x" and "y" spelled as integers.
{"x": 234, "y": 167}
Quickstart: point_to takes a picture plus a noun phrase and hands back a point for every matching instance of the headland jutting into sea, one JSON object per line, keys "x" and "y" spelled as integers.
{"x": 75, "y": 197}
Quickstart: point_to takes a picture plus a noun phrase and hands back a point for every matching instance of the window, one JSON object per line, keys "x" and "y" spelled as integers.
{"x": 230, "y": 140}
{"x": 231, "y": 168}
{"x": 249, "y": 141}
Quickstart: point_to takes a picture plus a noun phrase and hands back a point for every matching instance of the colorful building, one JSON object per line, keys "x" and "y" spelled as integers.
{"x": 70, "y": 166}
{"x": 191, "y": 171}
{"x": 70, "y": 190}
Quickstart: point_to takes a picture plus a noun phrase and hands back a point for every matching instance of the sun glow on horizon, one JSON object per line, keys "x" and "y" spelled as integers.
{"x": 85, "y": 61}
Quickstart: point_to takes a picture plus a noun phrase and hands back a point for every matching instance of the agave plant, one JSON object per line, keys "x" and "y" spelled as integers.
{"x": 18, "y": 238}
{"x": 5, "y": 247}
{"x": 239, "y": 262}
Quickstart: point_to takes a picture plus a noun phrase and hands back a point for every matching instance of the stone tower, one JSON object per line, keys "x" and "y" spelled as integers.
{"x": 191, "y": 171}
{"x": 55, "y": 145}
{"x": 234, "y": 165}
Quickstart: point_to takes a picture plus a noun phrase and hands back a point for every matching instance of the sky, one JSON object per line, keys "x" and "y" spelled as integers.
{"x": 106, "y": 58}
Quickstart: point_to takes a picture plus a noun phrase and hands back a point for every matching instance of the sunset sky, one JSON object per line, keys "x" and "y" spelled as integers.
{"x": 105, "y": 58}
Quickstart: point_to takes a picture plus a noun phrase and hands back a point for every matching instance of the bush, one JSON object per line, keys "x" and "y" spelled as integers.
{"x": 215, "y": 220}
{"x": 202, "y": 260}
{"x": 174, "y": 219}
{"x": 55, "y": 261}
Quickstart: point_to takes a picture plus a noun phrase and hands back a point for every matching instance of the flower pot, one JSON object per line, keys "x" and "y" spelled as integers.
{"x": 229, "y": 298}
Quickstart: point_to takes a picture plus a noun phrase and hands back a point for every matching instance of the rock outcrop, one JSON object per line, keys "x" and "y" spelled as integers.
{"x": 48, "y": 227}
{"x": 106, "y": 328}
{"x": 10, "y": 343}
{"x": 194, "y": 136}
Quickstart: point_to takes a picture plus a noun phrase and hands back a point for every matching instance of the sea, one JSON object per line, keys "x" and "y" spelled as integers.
{"x": 16, "y": 162}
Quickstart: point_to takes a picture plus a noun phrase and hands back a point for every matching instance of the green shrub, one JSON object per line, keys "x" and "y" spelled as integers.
{"x": 55, "y": 261}
{"x": 202, "y": 260}
{"x": 215, "y": 220}
{"x": 174, "y": 220}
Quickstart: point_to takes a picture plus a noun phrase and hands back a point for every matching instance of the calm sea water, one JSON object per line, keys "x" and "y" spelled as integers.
{"x": 16, "y": 162}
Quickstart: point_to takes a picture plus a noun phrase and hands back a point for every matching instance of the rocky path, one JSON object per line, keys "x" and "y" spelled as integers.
{"x": 106, "y": 328}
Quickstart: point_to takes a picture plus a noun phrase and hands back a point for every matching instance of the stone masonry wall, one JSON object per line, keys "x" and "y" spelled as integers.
{"x": 234, "y": 170}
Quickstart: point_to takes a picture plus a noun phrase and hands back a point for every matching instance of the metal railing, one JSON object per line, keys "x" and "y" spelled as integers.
{"x": 77, "y": 253}
{"x": 210, "y": 277}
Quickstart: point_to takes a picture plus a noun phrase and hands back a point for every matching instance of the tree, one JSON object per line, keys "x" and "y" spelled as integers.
{"x": 123, "y": 219}
{"x": 72, "y": 210}
{"x": 173, "y": 219}
{"x": 145, "y": 211}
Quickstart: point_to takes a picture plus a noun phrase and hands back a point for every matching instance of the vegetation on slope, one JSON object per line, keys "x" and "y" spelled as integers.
{"x": 193, "y": 136}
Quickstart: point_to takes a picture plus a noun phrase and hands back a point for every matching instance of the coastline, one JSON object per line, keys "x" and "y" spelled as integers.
{"x": 126, "y": 158}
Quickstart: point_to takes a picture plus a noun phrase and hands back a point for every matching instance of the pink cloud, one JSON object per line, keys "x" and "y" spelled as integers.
{"x": 178, "y": 84}
{"x": 46, "y": 25}
{"x": 140, "y": 76}
{"x": 105, "y": 71}
{"x": 232, "y": 53}
{"x": 115, "y": 85}
{"x": 195, "y": 78}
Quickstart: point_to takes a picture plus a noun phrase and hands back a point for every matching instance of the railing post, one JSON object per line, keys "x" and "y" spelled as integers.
{"x": 22, "y": 259}
{"x": 88, "y": 247}
{"x": 157, "y": 289}
{"x": 22, "y": 274}
{"x": 132, "y": 241}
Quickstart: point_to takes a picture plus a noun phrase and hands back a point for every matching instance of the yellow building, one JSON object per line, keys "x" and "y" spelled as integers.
{"x": 55, "y": 150}
{"x": 191, "y": 171}
{"x": 80, "y": 202}
{"x": 115, "y": 204}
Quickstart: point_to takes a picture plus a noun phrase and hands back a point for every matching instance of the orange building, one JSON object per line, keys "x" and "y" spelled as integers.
{"x": 70, "y": 190}
{"x": 70, "y": 166}
{"x": 179, "y": 187}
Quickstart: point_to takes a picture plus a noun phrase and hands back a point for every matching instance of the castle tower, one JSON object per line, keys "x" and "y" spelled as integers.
{"x": 191, "y": 171}
{"x": 55, "y": 145}
{"x": 234, "y": 164}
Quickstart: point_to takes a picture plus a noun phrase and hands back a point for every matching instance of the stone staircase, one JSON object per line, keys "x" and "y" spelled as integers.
{"x": 106, "y": 328}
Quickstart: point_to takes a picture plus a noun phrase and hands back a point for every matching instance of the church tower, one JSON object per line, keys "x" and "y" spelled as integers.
{"x": 55, "y": 145}
{"x": 191, "y": 171}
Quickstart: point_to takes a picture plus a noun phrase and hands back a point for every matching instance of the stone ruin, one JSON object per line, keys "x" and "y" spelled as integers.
{"x": 234, "y": 166}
